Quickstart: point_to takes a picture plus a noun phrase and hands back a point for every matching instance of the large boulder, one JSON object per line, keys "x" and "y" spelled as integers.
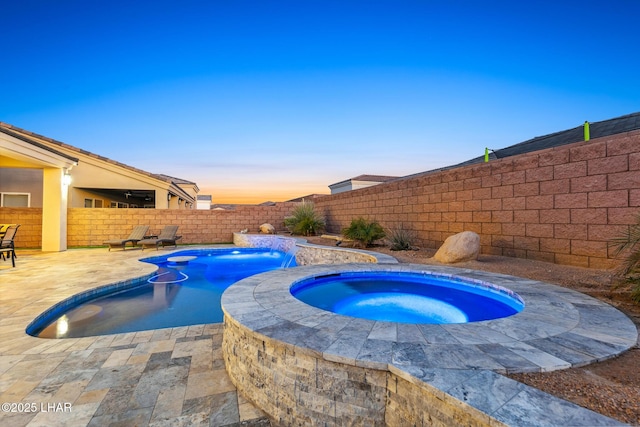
{"x": 460, "y": 247}
{"x": 267, "y": 228}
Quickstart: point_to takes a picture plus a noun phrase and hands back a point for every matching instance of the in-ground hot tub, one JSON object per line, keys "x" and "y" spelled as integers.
{"x": 408, "y": 297}
{"x": 307, "y": 366}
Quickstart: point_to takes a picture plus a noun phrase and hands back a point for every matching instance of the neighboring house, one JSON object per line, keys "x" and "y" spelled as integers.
{"x": 204, "y": 202}
{"x": 617, "y": 125}
{"x": 36, "y": 171}
{"x": 95, "y": 181}
{"x": 307, "y": 198}
{"x": 361, "y": 181}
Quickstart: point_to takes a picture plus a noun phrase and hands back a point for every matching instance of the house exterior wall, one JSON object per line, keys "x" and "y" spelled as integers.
{"x": 356, "y": 185}
{"x": 22, "y": 180}
{"x": 96, "y": 174}
{"x": 560, "y": 205}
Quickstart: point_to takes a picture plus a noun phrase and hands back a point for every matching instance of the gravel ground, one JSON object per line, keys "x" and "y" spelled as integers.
{"x": 612, "y": 387}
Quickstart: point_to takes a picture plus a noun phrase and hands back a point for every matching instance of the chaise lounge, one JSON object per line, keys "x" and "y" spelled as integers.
{"x": 138, "y": 233}
{"x": 167, "y": 237}
{"x": 7, "y": 247}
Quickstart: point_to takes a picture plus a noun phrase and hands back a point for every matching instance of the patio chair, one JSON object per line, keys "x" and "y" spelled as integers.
{"x": 138, "y": 233}
{"x": 167, "y": 237}
{"x": 7, "y": 247}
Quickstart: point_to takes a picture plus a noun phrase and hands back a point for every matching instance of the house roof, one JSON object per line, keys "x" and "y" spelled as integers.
{"x": 369, "y": 178}
{"x": 622, "y": 124}
{"x": 307, "y": 197}
{"x": 174, "y": 180}
{"x": 32, "y": 138}
{"x": 600, "y": 129}
{"x": 21, "y": 137}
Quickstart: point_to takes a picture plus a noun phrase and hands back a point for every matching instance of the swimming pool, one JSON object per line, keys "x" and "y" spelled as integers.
{"x": 185, "y": 290}
{"x": 407, "y": 297}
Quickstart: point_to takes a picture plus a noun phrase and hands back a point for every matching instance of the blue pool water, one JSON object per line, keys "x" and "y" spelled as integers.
{"x": 179, "y": 294}
{"x": 408, "y": 297}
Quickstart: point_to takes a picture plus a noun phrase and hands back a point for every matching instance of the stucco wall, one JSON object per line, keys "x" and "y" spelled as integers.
{"x": 559, "y": 205}
{"x": 16, "y": 180}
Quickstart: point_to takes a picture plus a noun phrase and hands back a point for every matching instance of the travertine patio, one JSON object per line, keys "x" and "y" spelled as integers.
{"x": 161, "y": 377}
{"x": 164, "y": 377}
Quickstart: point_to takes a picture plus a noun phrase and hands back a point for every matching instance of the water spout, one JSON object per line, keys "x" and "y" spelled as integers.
{"x": 289, "y": 257}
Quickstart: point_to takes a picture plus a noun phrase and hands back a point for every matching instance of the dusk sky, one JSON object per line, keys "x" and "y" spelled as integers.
{"x": 271, "y": 100}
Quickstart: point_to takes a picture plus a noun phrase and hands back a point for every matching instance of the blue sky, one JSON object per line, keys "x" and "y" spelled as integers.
{"x": 270, "y": 100}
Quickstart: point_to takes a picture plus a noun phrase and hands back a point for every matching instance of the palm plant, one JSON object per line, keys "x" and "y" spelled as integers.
{"x": 304, "y": 220}
{"x": 628, "y": 243}
{"x": 364, "y": 232}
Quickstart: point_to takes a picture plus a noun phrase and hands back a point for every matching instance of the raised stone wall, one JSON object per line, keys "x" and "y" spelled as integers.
{"x": 278, "y": 243}
{"x": 298, "y": 388}
{"x": 308, "y": 254}
{"x": 419, "y": 404}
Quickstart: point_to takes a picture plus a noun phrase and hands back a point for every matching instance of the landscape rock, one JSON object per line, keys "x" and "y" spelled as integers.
{"x": 460, "y": 247}
{"x": 267, "y": 228}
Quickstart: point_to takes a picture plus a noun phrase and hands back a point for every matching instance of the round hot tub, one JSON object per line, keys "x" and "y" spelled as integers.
{"x": 408, "y": 297}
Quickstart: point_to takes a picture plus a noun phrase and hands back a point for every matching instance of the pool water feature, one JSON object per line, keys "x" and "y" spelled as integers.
{"x": 408, "y": 297}
{"x": 185, "y": 290}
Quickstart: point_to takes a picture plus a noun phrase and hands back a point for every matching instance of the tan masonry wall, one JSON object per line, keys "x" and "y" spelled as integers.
{"x": 89, "y": 227}
{"x": 560, "y": 205}
{"x": 29, "y": 234}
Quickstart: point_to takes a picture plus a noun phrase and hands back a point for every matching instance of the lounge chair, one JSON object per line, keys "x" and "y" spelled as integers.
{"x": 167, "y": 237}
{"x": 7, "y": 247}
{"x": 138, "y": 233}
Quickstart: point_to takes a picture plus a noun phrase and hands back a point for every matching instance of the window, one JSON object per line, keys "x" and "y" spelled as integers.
{"x": 119, "y": 205}
{"x": 15, "y": 200}
{"x": 92, "y": 203}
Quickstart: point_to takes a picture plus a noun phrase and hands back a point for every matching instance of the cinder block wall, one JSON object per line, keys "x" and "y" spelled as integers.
{"x": 89, "y": 227}
{"x": 29, "y": 234}
{"x": 560, "y": 205}
{"x": 94, "y": 226}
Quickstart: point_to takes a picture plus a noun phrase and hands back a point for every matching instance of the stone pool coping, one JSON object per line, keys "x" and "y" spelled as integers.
{"x": 558, "y": 328}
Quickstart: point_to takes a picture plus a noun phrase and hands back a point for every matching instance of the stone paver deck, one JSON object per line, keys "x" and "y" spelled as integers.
{"x": 165, "y": 377}
{"x": 177, "y": 376}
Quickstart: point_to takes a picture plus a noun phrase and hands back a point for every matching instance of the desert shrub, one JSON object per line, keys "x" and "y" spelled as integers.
{"x": 627, "y": 245}
{"x": 304, "y": 220}
{"x": 401, "y": 239}
{"x": 364, "y": 232}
